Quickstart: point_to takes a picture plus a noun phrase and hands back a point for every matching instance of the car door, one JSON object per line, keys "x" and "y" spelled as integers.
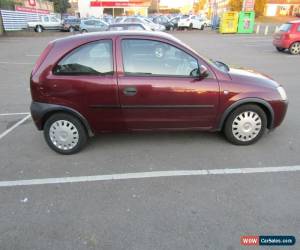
{"x": 158, "y": 89}
{"x": 54, "y": 23}
{"x": 91, "y": 66}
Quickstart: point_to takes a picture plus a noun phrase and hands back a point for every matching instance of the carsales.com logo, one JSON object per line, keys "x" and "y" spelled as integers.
{"x": 252, "y": 240}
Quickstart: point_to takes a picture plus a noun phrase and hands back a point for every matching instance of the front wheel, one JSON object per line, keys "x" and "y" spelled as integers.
{"x": 295, "y": 48}
{"x": 65, "y": 134}
{"x": 245, "y": 125}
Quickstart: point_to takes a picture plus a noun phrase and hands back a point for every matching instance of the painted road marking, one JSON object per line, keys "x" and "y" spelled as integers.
{"x": 17, "y": 63}
{"x": 11, "y": 114}
{"x": 143, "y": 175}
{"x": 14, "y": 126}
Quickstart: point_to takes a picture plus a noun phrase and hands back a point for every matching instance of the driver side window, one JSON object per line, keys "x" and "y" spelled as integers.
{"x": 148, "y": 57}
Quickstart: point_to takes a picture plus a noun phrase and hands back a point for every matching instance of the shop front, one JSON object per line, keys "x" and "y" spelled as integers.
{"x": 98, "y": 8}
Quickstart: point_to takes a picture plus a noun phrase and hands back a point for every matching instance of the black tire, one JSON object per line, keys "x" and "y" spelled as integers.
{"x": 84, "y": 31}
{"x": 78, "y": 132}
{"x": 295, "y": 48}
{"x": 191, "y": 26}
{"x": 280, "y": 49}
{"x": 202, "y": 27}
{"x": 39, "y": 29}
{"x": 71, "y": 29}
{"x": 244, "y": 139}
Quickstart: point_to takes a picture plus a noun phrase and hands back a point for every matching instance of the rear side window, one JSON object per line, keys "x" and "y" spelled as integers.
{"x": 285, "y": 27}
{"x": 94, "y": 58}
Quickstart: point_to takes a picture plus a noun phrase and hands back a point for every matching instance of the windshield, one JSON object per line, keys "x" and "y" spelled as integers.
{"x": 285, "y": 27}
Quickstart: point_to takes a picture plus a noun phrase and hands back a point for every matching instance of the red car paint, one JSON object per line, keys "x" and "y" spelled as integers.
{"x": 161, "y": 103}
{"x": 285, "y": 38}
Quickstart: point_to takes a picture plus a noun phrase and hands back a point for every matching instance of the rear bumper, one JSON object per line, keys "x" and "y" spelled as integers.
{"x": 281, "y": 43}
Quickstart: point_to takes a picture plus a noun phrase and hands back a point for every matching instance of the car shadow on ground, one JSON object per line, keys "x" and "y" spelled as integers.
{"x": 136, "y": 138}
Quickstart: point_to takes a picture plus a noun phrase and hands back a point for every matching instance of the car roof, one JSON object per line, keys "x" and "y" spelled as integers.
{"x": 112, "y": 34}
{"x": 125, "y": 24}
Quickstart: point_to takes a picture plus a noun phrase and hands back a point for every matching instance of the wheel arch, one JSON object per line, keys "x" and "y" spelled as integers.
{"x": 42, "y": 111}
{"x": 267, "y": 108}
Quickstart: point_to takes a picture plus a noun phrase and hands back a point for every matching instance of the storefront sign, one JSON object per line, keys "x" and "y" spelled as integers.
{"x": 115, "y": 4}
{"x": 32, "y": 2}
{"x": 31, "y": 10}
{"x": 248, "y": 5}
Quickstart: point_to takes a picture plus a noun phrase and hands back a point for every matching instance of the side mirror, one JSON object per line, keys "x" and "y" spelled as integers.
{"x": 203, "y": 72}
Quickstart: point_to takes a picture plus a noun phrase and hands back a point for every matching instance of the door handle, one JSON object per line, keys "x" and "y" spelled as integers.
{"x": 130, "y": 91}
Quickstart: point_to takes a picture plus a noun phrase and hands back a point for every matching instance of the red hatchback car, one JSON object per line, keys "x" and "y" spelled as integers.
{"x": 288, "y": 37}
{"x": 132, "y": 81}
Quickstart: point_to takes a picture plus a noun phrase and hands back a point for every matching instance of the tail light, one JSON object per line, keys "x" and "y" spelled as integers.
{"x": 42, "y": 58}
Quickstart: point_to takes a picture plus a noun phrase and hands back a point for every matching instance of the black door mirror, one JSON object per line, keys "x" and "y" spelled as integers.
{"x": 203, "y": 72}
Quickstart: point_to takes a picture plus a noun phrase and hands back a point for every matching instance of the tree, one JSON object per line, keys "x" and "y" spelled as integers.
{"x": 7, "y": 4}
{"x": 235, "y": 5}
{"x": 61, "y": 6}
{"x": 259, "y": 7}
{"x": 198, "y": 6}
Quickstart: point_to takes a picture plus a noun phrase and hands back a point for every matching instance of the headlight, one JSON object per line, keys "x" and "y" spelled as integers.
{"x": 282, "y": 93}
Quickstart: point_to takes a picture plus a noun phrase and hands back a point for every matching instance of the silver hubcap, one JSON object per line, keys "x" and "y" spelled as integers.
{"x": 295, "y": 48}
{"x": 246, "y": 126}
{"x": 64, "y": 135}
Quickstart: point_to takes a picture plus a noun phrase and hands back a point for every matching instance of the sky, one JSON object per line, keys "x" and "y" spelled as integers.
{"x": 175, "y": 3}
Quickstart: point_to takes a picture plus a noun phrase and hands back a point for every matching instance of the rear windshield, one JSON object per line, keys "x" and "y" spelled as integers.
{"x": 285, "y": 27}
{"x": 185, "y": 16}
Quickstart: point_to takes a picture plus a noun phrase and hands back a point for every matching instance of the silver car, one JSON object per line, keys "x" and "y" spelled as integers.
{"x": 92, "y": 25}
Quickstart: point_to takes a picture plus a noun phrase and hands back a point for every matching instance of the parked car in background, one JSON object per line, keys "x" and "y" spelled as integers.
{"x": 190, "y": 22}
{"x": 205, "y": 21}
{"x": 145, "y": 21}
{"x": 128, "y": 26}
{"x": 92, "y": 25}
{"x": 45, "y": 23}
{"x": 288, "y": 37}
{"x": 71, "y": 24}
{"x": 163, "y": 20}
{"x": 107, "y": 19}
{"x": 175, "y": 21}
{"x": 133, "y": 81}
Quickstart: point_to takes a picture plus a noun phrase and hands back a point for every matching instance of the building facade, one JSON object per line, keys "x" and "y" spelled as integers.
{"x": 282, "y": 8}
{"x": 98, "y": 8}
{"x": 33, "y": 5}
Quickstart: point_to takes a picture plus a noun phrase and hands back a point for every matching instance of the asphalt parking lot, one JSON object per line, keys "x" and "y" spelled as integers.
{"x": 201, "y": 211}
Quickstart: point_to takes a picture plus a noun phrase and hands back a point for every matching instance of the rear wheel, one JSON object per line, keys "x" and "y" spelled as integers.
{"x": 71, "y": 29}
{"x": 65, "y": 134}
{"x": 295, "y": 48}
{"x": 39, "y": 29}
{"x": 245, "y": 125}
{"x": 280, "y": 49}
{"x": 84, "y": 31}
{"x": 191, "y": 26}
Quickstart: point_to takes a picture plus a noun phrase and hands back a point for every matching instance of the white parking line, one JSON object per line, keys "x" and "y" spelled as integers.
{"x": 143, "y": 175}
{"x": 11, "y": 114}
{"x": 14, "y": 126}
{"x": 17, "y": 63}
